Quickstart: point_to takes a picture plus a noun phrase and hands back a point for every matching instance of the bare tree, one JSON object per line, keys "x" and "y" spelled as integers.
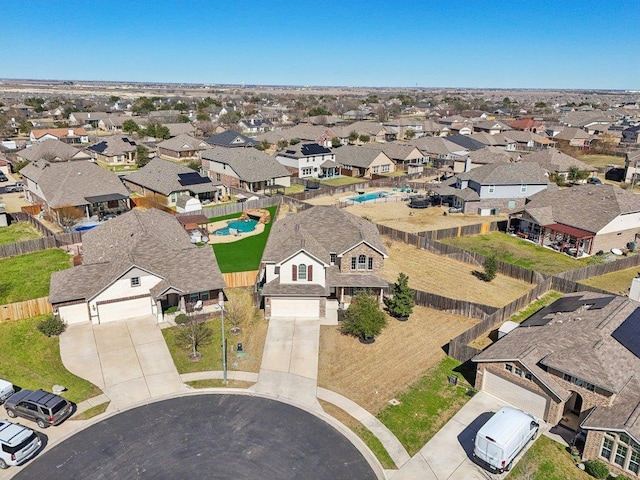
{"x": 68, "y": 215}
{"x": 193, "y": 333}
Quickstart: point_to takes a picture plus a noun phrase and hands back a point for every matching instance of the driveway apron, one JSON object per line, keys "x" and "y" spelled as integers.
{"x": 289, "y": 366}
{"x": 129, "y": 360}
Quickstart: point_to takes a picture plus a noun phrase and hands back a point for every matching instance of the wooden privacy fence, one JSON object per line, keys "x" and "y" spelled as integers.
{"x": 240, "y": 279}
{"x": 27, "y": 309}
{"x": 600, "y": 269}
{"x": 38, "y": 244}
{"x": 452, "y": 305}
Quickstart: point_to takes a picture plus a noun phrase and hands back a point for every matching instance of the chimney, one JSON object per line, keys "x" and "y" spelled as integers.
{"x": 467, "y": 164}
{"x": 634, "y": 291}
{"x": 70, "y": 132}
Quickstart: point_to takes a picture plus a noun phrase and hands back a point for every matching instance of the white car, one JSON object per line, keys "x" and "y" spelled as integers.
{"x": 17, "y": 444}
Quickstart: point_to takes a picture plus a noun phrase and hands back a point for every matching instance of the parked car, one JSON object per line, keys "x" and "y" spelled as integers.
{"x": 3, "y": 177}
{"x": 16, "y": 187}
{"x": 42, "y": 407}
{"x": 499, "y": 441}
{"x": 6, "y": 390}
{"x": 594, "y": 181}
{"x": 17, "y": 444}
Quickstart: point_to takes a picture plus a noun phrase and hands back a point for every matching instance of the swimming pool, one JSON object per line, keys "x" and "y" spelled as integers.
{"x": 242, "y": 226}
{"x": 368, "y": 196}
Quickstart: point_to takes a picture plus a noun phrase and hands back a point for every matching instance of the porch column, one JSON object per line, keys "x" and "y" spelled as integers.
{"x": 183, "y": 307}
{"x": 86, "y": 210}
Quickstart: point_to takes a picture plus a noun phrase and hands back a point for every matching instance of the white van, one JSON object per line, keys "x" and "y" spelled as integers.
{"x": 6, "y": 390}
{"x": 500, "y": 440}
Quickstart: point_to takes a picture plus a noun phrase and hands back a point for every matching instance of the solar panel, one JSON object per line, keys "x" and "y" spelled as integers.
{"x": 628, "y": 333}
{"x": 191, "y": 178}
{"x": 565, "y": 304}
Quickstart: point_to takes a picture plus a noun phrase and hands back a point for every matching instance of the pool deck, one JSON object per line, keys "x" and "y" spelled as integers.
{"x": 213, "y": 238}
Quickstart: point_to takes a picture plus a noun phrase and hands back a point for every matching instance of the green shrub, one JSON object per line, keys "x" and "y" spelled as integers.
{"x": 621, "y": 477}
{"x": 596, "y": 469}
{"x": 401, "y": 304}
{"x": 182, "y": 319}
{"x": 52, "y": 326}
{"x": 490, "y": 268}
{"x": 364, "y": 318}
{"x": 171, "y": 310}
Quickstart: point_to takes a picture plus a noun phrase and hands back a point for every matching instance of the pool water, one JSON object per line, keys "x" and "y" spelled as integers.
{"x": 242, "y": 226}
{"x": 368, "y": 196}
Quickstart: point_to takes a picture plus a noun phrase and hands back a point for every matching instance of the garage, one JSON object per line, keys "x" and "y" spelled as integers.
{"x": 75, "y": 313}
{"x": 114, "y": 311}
{"x": 515, "y": 395}
{"x": 295, "y": 307}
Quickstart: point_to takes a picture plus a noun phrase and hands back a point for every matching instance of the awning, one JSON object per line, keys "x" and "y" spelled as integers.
{"x": 105, "y": 198}
{"x": 572, "y": 231}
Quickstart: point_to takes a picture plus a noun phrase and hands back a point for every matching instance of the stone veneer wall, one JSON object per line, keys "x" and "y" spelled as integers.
{"x": 593, "y": 446}
{"x": 362, "y": 249}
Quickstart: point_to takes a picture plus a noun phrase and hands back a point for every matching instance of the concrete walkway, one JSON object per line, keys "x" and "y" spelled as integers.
{"x": 289, "y": 366}
{"x": 129, "y": 360}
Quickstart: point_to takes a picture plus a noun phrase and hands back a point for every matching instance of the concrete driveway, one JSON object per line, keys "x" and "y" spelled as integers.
{"x": 447, "y": 456}
{"x": 129, "y": 360}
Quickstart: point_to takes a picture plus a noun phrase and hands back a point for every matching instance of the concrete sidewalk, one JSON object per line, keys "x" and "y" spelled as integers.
{"x": 289, "y": 366}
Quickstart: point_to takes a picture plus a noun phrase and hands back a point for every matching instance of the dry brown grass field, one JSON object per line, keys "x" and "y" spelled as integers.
{"x": 371, "y": 375}
{"x": 444, "y": 276}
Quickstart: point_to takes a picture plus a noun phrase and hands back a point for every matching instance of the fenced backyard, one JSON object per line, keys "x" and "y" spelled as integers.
{"x": 27, "y": 309}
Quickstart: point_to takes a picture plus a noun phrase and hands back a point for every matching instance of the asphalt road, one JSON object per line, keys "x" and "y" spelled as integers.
{"x": 205, "y": 436}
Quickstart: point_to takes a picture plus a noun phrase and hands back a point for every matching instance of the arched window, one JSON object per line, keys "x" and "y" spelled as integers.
{"x": 362, "y": 262}
{"x": 302, "y": 272}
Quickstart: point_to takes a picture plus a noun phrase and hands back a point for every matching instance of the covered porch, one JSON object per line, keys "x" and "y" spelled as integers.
{"x": 572, "y": 241}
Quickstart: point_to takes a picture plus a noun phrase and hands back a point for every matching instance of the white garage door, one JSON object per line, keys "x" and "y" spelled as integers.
{"x": 111, "y": 312}
{"x": 515, "y": 395}
{"x": 78, "y": 313}
{"x": 295, "y": 307}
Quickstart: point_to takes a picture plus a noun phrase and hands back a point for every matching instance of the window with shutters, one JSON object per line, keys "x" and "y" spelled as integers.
{"x": 302, "y": 272}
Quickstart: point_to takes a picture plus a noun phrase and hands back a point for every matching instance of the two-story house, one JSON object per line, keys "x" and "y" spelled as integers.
{"x": 491, "y": 188}
{"x": 309, "y": 160}
{"x": 575, "y": 363}
{"x": 315, "y": 262}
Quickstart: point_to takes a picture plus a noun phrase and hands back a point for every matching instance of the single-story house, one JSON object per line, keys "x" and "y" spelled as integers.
{"x": 115, "y": 150}
{"x": 406, "y": 157}
{"x": 51, "y": 150}
{"x": 172, "y": 181}
{"x": 581, "y": 220}
{"x": 71, "y": 190}
{"x": 245, "y": 168}
{"x": 316, "y": 260}
{"x": 176, "y": 129}
{"x": 138, "y": 264}
{"x": 362, "y": 161}
{"x": 231, "y": 139}
{"x": 555, "y": 162}
{"x": 575, "y": 363}
{"x": 66, "y": 135}
{"x": 182, "y": 147}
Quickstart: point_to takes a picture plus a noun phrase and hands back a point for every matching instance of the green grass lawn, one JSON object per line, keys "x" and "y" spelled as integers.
{"x": 596, "y": 160}
{"x": 337, "y": 182}
{"x": 546, "y": 299}
{"x": 211, "y": 352}
{"x": 243, "y": 255}
{"x": 294, "y": 188}
{"x": 27, "y": 276}
{"x": 614, "y": 282}
{"x": 519, "y": 252}
{"x": 31, "y": 360}
{"x": 426, "y": 406}
{"x": 18, "y": 232}
{"x": 547, "y": 460}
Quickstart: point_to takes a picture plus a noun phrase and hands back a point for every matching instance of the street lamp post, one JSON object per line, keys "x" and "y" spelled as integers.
{"x": 224, "y": 342}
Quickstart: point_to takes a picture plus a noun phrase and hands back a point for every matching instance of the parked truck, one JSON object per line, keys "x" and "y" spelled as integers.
{"x": 505, "y": 434}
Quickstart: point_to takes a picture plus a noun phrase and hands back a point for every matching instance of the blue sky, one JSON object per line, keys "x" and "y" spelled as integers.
{"x": 464, "y": 43}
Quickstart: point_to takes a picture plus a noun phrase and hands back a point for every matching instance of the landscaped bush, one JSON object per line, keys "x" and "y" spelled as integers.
{"x": 182, "y": 319}
{"x": 171, "y": 310}
{"x": 52, "y": 326}
{"x": 596, "y": 469}
{"x": 620, "y": 477}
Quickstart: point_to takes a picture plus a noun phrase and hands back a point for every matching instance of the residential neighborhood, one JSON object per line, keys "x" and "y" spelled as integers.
{"x": 339, "y": 269}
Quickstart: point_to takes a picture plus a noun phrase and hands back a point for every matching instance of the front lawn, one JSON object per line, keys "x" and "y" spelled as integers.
{"x": 520, "y": 252}
{"x": 339, "y": 181}
{"x": 426, "y": 406}
{"x": 31, "y": 360}
{"x": 252, "y": 337}
{"x": 26, "y": 277}
{"x": 547, "y": 460}
{"x": 18, "y": 232}
{"x": 243, "y": 255}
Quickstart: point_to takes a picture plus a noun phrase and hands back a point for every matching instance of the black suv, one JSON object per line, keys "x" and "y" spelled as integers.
{"x": 42, "y": 407}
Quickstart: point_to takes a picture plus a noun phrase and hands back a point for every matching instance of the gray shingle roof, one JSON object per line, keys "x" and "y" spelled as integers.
{"x": 149, "y": 239}
{"x": 581, "y": 344}
{"x": 52, "y": 150}
{"x": 250, "y": 165}
{"x": 114, "y": 145}
{"x": 183, "y": 142}
{"x": 320, "y": 230}
{"x": 161, "y": 176}
{"x": 231, "y": 138}
{"x": 492, "y": 155}
{"x": 394, "y": 150}
{"x": 351, "y": 155}
{"x": 553, "y": 160}
{"x": 506, "y": 174}
{"x": 588, "y": 207}
{"x": 69, "y": 183}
